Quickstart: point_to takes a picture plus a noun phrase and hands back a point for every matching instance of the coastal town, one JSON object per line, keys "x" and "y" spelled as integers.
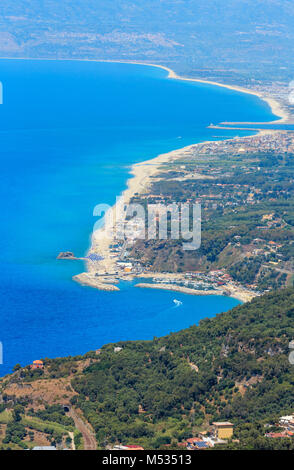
{"x": 224, "y": 178}
{"x": 147, "y": 231}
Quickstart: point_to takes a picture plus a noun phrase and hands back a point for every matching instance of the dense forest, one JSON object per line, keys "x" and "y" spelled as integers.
{"x": 232, "y": 367}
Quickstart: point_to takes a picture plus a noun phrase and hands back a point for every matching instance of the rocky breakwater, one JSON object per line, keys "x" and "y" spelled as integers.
{"x": 66, "y": 255}
{"x": 91, "y": 280}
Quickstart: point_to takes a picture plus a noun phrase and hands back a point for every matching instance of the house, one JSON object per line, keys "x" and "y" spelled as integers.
{"x": 133, "y": 447}
{"x": 37, "y": 364}
{"x": 223, "y": 429}
{"x": 192, "y": 441}
{"x": 196, "y": 443}
{"x": 287, "y": 421}
{"x": 201, "y": 445}
{"x": 277, "y": 435}
{"x": 288, "y": 418}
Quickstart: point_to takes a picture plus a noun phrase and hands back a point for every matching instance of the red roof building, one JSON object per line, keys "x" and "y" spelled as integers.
{"x": 191, "y": 440}
{"x": 276, "y": 435}
{"x": 134, "y": 447}
{"x": 37, "y": 364}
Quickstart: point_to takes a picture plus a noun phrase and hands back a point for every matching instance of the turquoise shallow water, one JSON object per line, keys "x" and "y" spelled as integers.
{"x": 69, "y": 133}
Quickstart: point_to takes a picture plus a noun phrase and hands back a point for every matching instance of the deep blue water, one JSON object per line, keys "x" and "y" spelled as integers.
{"x": 69, "y": 133}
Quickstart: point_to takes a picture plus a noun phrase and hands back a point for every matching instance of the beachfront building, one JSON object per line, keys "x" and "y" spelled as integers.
{"x": 223, "y": 429}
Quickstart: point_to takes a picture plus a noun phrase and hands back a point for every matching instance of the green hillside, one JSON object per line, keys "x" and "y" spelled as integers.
{"x": 242, "y": 374}
{"x": 155, "y": 393}
{"x": 245, "y": 38}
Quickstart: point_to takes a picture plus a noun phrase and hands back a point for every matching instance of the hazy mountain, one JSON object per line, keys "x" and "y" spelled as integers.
{"x": 247, "y": 37}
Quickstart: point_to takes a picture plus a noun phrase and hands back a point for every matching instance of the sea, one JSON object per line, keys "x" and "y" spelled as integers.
{"x": 70, "y": 132}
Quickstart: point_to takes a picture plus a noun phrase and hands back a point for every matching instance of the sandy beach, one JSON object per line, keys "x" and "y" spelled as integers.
{"x": 97, "y": 272}
{"x": 102, "y": 240}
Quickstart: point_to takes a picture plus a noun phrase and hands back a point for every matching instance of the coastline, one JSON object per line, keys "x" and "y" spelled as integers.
{"x": 102, "y": 240}
{"x": 103, "y": 274}
{"x": 274, "y": 104}
{"x": 138, "y": 183}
